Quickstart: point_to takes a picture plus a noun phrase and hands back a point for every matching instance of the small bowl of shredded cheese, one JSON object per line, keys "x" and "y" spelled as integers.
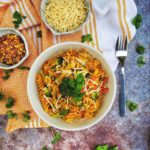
{"x": 65, "y": 16}
{"x": 13, "y": 48}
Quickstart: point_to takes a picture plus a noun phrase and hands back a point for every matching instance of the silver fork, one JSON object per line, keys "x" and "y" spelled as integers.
{"x": 121, "y": 54}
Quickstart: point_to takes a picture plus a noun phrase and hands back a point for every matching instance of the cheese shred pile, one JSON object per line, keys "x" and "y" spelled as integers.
{"x": 65, "y": 15}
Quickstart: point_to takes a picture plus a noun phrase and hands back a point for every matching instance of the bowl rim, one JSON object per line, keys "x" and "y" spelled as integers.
{"x": 18, "y": 33}
{"x": 30, "y": 78}
{"x": 55, "y": 32}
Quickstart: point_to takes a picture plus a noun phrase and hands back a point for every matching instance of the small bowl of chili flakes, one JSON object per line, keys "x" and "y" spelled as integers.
{"x": 13, "y": 48}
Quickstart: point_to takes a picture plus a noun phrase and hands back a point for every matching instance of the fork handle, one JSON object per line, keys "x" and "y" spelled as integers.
{"x": 122, "y": 98}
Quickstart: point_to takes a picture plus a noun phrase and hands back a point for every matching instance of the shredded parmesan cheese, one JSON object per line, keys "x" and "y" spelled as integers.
{"x": 65, "y": 15}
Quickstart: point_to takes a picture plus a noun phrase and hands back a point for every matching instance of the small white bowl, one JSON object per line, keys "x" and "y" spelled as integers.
{"x": 43, "y": 4}
{"x": 79, "y": 124}
{"x": 4, "y": 31}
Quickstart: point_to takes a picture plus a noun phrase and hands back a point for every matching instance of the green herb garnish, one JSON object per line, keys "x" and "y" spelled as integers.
{"x": 141, "y": 61}
{"x": 39, "y": 34}
{"x": 95, "y": 96}
{"x": 26, "y": 116}
{"x": 86, "y": 38}
{"x": 56, "y": 138}
{"x": 64, "y": 112}
{"x": 60, "y": 60}
{"x": 140, "y": 49}
{"x": 44, "y": 148}
{"x": 1, "y": 95}
{"x": 47, "y": 92}
{"x": 18, "y": 18}
{"x": 11, "y": 115}
{"x": 131, "y": 105}
{"x": 24, "y": 68}
{"x": 73, "y": 87}
{"x": 103, "y": 147}
{"x": 7, "y": 74}
{"x": 10, "y": 102}
{"x": 137, "y": 20}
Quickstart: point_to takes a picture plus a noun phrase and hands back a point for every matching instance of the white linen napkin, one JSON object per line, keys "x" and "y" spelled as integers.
{"x": 113, "y": 18}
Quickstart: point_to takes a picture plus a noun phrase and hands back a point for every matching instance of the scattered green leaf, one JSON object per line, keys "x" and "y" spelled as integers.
{"x": 86, "y": 38}
{"x": 6, "y": 74}
{"x": 56, "y": 138}
{"x": 73, "y": 87}
{"x": 18, "y": 18}
{"x": 10, "y": 102}
{"x": 24, "y": 68}
{"x": 137, "y": 20}
{"x": 44, "y": 148}
{"x": 140, "y": 49}
{"x": 1, "y": 95}
{"x": 64, "y": 112}
{"x": 26, "y": 116}
{"x": 39, "y": 34}
{"x": 113, "y": 148}
{"x": 131, "y": 105}
{"x": 141, "y": 61}
{"x": 103, "y": 147}
{"x": 11, "y": 115}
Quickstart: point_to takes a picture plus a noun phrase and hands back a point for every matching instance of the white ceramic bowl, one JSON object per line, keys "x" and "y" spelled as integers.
{"x": 4, "y": 31}
{"x": 43, "y": 4}
{"x": 58, "y": 123}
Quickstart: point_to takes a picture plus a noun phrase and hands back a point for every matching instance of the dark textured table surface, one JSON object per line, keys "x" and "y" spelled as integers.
{"x": 130, "y": 133}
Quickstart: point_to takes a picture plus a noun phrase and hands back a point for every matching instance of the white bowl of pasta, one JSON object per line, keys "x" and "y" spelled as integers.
{"x": 71, "y": 86}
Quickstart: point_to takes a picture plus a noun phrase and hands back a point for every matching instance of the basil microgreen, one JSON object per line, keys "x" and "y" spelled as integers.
{"x": 11, "y": 115}
{"x": 141, "y": 61}
{"x": 140, "y": 49}
{"x": 39, "y": 34}
{"x": 24, "y": 68}
{"x": 7, "y": 74}
{"x": 131, "y": 105}
{"x": 73, "y": 87}
{"x": 1, "y": 95}
{"x": 137, "y": 20}
{"x": 64, "y": 112}
{"x": 44, "y": 148}
{"x": 10, "y": 102}
{"x": 105, "y": 147}
{"x": 26, "y": 116}
{"x": 56, "y": 138}
{"x": 86, "y": 38}
{"x": 18, "y": 18}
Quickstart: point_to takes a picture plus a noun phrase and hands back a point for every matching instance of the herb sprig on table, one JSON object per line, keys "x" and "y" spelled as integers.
{"x": 39, "y": 34}
{"x": 26, "y": 116}
{"x": 18, "y": 18}
{"x": 44, "y": 148}
{"x": 10, "y": 102}
{"x": 137, "y": 21}
{"x": 10, "y": 114}
{"x": 105, "y": 147}
{"x": 132, "y": 106}
{"x": 140, "y": 49}
{"x": 7, "y": 74}
{"x": 23, "y": 68}
{"x": 86, "y": 38}
{"x": 1, "y": 95}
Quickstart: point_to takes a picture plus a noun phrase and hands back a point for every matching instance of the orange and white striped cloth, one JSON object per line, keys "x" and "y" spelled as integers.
{"x": 99, "y": 26}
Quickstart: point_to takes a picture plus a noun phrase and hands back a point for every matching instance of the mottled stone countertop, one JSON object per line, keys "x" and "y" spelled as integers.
{"x": 130, "y": 133}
